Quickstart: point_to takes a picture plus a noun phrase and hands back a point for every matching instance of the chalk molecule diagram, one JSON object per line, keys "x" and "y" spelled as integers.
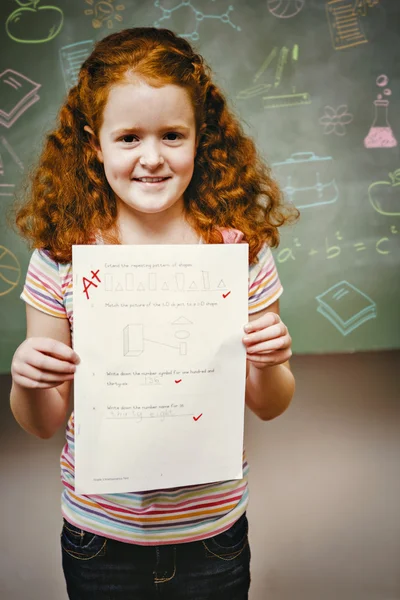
{"x": 199, "y": 15}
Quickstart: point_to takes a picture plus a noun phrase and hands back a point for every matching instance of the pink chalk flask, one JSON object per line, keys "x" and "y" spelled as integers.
{"x": 380, "y": 134}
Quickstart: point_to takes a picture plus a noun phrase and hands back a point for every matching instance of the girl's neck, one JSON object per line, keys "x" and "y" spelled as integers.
{"x": 167, "y": 227}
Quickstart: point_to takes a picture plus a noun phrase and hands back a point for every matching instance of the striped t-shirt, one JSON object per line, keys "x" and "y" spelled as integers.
{"x": 155, "y": 517}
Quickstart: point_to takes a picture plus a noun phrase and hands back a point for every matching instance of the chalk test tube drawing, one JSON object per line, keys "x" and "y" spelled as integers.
{"x": 71, "y": 58}
{"x": 104, "y": 13}
{"x": 346, "y": 307}
{"x": 380, "y": 134}
{"x": 198, "y": 15}
{"x": 284, "y": 9}
{"x": 17, "y": 94}
{"x": 308, "y": 180}
{"x": 10, "y": 271}
{"x": 335, "y": 120}
{"x": 12, "y": 153}
{"x": 384, "y": 196}
{"x": 34, "y": 24}
{"x": 279, "y": 71}
{"x": 134, "y": 339}
{"x": 179, "y": 282}
{"x": 344, "y": 24}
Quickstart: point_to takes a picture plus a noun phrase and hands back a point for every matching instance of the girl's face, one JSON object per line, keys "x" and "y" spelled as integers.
{"x": 147, "y": 144}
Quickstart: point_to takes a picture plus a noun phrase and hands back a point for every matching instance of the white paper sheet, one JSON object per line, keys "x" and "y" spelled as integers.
{"x": 159, "y": 392}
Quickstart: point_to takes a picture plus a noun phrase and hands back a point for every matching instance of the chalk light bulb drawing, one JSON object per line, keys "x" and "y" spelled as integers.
{"x": 104, "y": 11}
{"x": 34, "y": 24}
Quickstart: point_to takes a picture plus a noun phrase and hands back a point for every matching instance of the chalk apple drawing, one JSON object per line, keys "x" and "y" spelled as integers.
{"x": 33, "y": 24}
{"x": 384, "y": 196}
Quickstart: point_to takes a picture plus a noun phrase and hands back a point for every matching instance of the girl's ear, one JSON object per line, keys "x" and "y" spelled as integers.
{"x": 94, "y": 142}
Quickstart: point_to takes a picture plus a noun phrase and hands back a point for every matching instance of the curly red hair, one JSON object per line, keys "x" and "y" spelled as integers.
{"x": 70, "y": 199}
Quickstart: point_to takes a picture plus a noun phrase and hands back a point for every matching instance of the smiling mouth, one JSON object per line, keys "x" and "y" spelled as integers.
{"x": 151, "y": 179}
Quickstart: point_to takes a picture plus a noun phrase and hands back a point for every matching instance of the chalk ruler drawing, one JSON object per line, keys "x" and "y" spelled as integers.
{"x": 277, "y": 80}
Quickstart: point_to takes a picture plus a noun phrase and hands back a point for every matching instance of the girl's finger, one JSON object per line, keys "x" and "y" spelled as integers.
{"x": 39, "y": 376}
{"x": 55, "y": 348}
{"x": 33, "y": 384}
{"x": 43, "y": 362}
{"x": 267, "y": 320}
{"x": 274, "y": 358}
{"x": 269, "y": 333}
{"x": 279, "y": 343}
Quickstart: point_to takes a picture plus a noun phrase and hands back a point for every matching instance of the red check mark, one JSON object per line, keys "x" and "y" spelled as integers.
{"x": 178, "y": 380}
{"x": 225, "y": 295}
{"x": 197, "y": 418}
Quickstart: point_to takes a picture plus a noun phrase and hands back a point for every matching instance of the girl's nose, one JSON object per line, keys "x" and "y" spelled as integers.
{"x": 151, "y": 157}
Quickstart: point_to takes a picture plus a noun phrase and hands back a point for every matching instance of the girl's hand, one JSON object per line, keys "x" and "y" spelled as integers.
{"x": 41, "y": 363}
{"x": 267, "y": 341}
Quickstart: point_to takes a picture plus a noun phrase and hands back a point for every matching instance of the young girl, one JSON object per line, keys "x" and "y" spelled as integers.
{"x": 147, "y": 152}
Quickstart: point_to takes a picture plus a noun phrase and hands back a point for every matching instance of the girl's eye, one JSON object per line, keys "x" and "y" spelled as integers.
{"x": 129, "y": 138}
{"x": 173, "y": 136}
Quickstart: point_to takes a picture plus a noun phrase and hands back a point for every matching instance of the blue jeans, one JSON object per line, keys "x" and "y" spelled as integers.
{"x": 98, "y": 568}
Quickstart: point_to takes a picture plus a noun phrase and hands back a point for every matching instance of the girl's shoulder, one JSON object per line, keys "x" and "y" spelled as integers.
{"x": 46, "y": 268}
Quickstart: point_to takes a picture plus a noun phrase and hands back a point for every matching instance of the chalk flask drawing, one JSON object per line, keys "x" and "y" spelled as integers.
{"x": 380, "y": 134}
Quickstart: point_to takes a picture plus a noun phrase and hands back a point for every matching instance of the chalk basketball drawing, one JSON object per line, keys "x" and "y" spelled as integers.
{"x": 10, "y": 271}
{"x": 34, "y": 24}
{"x": 284, "y": 9}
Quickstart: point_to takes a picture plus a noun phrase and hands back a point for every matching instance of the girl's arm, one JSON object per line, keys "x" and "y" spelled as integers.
{"x": 42, "y": 370}
{"x": 269, "y": 382}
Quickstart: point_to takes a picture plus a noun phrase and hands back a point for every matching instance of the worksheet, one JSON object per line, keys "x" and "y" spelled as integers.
{"x": 159, "y": 391}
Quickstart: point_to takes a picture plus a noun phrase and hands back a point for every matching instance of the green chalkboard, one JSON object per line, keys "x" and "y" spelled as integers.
{"x": 316, "y": 83}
